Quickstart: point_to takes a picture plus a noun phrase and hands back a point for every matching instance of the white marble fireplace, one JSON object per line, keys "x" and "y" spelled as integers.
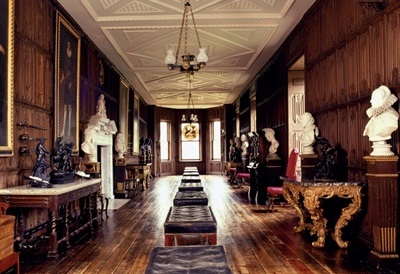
{"x": 99, "y": 134}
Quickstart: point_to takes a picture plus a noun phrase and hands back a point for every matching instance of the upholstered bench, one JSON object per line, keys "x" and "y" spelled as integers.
{"x": 191, "y": 221}
{"x": 191, "y": 168}
{"x": 188, "y": 259}
{"x": 190, "y": 178}
{"x": 190, "y": 198}
{"x": 191, "y": 187}
{"x": 191, "y": 173}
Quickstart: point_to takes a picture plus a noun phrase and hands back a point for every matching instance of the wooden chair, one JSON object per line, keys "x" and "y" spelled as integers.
{"x": 275, "y": 192}
{"x": 8, "y": 258}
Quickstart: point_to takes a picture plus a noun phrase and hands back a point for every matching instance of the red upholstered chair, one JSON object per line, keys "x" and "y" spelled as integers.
{"x": 276, "y": 191}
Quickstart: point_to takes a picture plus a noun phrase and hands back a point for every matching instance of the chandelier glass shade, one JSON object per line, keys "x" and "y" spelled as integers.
{"x": 190, "y": 63}
{"x": 190, "y": 116}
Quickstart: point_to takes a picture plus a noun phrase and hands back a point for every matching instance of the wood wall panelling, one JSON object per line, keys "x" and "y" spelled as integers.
{"x": 364, "y": 68}
{"x": 341, "y": 55}
{"x": 393, "y": 49}
{"x": 351, "y": 62}
{"x": 377, "y": 51}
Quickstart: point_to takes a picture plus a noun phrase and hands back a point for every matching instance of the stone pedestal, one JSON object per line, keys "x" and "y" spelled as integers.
{"x": 120, "y": 177}
{"x": 383, "y": 202}
{"x": 308, "y": 162}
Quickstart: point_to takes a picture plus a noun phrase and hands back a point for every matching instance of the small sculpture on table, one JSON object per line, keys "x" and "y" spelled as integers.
{"x": 325, "y": 168}
{"x": 40, "y": 177}
{"x": 142, "y": 146}
{"x": 147, "y": 150}
{"x": 62, "y": 167}
{"x": 383, "y": 121}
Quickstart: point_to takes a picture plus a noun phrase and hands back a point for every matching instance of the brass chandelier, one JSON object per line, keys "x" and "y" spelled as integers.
{"x": 188, "y": 60}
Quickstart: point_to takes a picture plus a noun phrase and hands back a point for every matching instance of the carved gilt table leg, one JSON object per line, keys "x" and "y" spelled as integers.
{"x": 292, "y": 195}
{"x": 347, "y": 213}
{"x": 311, "y": 202}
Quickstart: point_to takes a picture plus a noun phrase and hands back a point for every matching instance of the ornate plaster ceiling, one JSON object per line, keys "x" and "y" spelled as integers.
{"x": 239, "y": 36}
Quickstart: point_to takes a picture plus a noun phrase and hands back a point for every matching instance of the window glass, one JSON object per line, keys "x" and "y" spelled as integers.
{"x": 164, "y": 140}
{"x": 190, "y": 142}
{"x": 216, "y": 140}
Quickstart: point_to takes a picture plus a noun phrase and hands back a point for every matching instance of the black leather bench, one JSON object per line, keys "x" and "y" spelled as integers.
{"x": 190, "y": 198}
{"x": 191, "y": 173}
{"x": 193, "y": 221}
{"x": 191, "y": 179}
{"x": 188, "y": 260}
{"x": 191, "y": 187}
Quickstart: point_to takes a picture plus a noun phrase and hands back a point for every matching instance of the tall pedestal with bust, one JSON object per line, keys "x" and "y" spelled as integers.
{"x": 383, "y": 202}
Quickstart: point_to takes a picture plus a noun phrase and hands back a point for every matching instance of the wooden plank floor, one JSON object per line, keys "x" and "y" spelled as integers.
{"x": 256, "y": 240}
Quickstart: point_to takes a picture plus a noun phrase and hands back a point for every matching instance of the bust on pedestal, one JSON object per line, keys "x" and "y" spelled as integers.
{"x": 119, "y": 166}
{"x": 307, "y": 139}
{"x": 382, "y": 178}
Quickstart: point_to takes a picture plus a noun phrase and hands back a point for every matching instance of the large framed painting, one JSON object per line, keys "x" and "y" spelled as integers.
{"x": 6, "y": 77}
{"x": 68, "y": 47}
{"x": 123, "y": 109}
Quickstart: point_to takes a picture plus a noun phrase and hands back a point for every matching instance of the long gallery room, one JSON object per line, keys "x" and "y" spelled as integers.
{"x": 199, "y": 136}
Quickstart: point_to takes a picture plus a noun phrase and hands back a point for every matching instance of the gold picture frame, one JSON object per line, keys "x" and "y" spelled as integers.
{"x": 123, "y": 109}
{"x": 67, "y": 80}
{"x": 7, "y": 13}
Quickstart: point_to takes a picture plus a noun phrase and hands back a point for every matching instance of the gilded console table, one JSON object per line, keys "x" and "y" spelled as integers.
{"x": 56, "y": 201}
{"x": 312, "y": 192}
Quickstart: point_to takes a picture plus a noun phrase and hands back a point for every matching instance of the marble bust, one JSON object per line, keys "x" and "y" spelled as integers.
{"x": 309, "y": 132}
{"x": 245, "y": 145}
{"x": 88, "y": 144}
{"x": 120, "y": 145}
{"x": 383, "y": 121}
{"x": 273, "y": 148}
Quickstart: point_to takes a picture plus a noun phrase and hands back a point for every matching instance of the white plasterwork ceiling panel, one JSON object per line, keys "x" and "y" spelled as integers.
{"x": 240, "y": 36}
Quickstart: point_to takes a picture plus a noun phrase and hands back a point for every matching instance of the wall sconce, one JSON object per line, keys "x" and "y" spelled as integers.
{"x": 377, "y": 5}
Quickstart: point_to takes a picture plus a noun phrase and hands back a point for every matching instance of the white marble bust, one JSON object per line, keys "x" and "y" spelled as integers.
{"x": 383, "y": 120}
{"x": 273, "y": 148}
{"x": 88, "y": 144}
{"x": 120, "y": 144}
{"x": 308, "y": 133}
{"x": 245, "y": 145}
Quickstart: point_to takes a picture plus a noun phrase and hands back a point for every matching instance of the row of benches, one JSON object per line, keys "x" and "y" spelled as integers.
{"x": 190, "y": 233}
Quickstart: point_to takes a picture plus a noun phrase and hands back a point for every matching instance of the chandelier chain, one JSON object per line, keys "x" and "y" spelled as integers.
{"x": 180, "y": 34}
{"x": 195, "y": 28}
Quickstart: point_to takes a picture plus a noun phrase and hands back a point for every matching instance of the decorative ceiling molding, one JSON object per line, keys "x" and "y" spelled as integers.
{"x": 240, "y": 36}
